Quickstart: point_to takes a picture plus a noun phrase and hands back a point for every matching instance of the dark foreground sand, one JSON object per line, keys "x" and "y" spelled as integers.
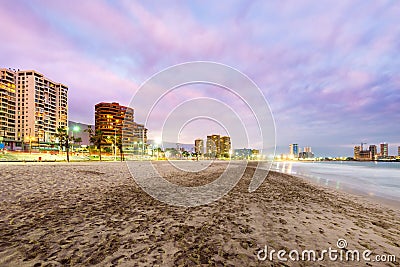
{"x": 94, "y": 214}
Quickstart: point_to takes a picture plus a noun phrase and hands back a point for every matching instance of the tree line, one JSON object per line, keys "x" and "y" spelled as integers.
{"x": 96, "y": 138}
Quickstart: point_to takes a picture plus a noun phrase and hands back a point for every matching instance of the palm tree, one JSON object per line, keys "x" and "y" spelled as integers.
{"x": 64, "y": 139}
{"x": 97, "y": 139}
{"x": 110, "y": 140}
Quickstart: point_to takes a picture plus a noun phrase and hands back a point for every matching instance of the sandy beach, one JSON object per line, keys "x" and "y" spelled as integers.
{"x": 80, "y": 214}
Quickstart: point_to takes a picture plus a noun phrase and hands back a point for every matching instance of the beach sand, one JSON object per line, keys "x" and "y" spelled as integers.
{"x": 59, "y": 214}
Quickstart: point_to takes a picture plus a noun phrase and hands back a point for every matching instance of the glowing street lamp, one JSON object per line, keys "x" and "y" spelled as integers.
{"x": 115, "y": 144}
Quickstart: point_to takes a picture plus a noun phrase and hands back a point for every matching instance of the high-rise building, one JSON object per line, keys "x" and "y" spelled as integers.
{"x": 398, "y": 151}
{"x": 307, "y": 149}
{"x": 42, "y": 107}
{"x": 294, "y": 150}
{"x": 225, "y": 144}
{"x": 307, "y": 153}
{"x": 114, "y": 119}
{"x": 199, "y": 146}
{"x": 244, "y": 153}
{"x": 32, "y": 107}
{"x": 357, "y": 150}
{"x": 384, "y": 150}
{"x": 213, "y": 146}
{"x": 217, "y": 146}
{"x": 111, "y": 119}
{"x": 373, "y": 151}
{"x": 139, "y": 133}
{"x": 7, "y": 107}
{"x": 368, "y": 154}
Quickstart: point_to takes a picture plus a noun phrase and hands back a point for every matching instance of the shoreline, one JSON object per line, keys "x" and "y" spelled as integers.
{"x": 323, "y": 177}
{"x": 350, "y": 191}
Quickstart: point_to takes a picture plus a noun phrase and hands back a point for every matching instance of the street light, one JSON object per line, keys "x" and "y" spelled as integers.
{"x": 30, "y": 141}
{"x": 115, "y": 144}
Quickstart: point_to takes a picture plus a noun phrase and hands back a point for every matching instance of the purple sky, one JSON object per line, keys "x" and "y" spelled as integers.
{"x": 329, "y": 69}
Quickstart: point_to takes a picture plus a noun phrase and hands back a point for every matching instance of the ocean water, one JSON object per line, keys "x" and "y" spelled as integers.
{"x": 376, "y": 179}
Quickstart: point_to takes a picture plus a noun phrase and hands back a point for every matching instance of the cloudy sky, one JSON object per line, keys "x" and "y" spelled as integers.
{"x": 329, "y": 69}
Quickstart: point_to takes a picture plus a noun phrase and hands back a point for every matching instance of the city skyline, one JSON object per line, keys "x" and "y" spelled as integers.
{"x": 331, "y": 87}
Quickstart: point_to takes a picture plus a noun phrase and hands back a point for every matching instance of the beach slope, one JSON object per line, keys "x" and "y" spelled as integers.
{"x": 59, "y": 214}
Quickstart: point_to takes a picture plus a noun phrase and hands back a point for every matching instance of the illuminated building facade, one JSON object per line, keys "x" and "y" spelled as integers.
{"x": 294, "y": 150}
{"x": 7, "y": 108}
{"x": 32, "y": 107}
{"x": 199, "y": 146}
{"x": 225, "y": 146}
{"x": 114, "y": 119}
{"x": 365, "y": 154}
{"x": 42, "y": 107}
{"x": 307, "y": 153}
{"x": 384, "y": 150}
{"x": 217, "y": 146}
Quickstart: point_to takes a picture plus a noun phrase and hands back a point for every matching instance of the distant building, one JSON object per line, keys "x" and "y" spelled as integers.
{"x": 294, "y": 150}
{"x": 242, "y": 153}
{"x": 199, "y": 146}
{"x": 365, "y": 155}
{"x": 357, "y": 150}
{"x": 255, "y": 153}
{"x": 306, "y": 154}
{"x": 374, "y": 151}
{"x": 139, "y": 133}
{"x": 398, "y": 151}
{"x": 225, "y": 146}
{"x": 368, "y": 154}
{"x": 217, "y": 146}
{"x": 246, "y": 153}
{"x": 384, "y": 150}
{"x": 213, "y": 146}
{"x": 8, "y": 108}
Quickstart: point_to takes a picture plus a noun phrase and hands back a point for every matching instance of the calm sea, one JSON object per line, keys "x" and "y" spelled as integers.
{"x": 376, "y": 179}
